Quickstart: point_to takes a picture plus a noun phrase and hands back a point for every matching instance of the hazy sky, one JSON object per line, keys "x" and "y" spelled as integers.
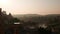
{"x": 31, "y": 6}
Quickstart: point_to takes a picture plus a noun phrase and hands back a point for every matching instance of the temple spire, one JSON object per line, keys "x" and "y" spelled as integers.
{"x": 0, "y": 10}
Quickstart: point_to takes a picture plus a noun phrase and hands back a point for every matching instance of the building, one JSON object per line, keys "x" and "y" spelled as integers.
{"x": 4, "y": 19}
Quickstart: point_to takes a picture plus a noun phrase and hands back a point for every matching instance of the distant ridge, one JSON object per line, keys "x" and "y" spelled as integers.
{"x": 21, "y": 15}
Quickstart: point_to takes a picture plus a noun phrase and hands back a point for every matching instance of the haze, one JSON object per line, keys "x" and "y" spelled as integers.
{"x": 31, "y": 6}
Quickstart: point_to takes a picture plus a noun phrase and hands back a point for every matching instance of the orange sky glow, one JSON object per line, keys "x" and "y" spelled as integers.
{"x": 31, "y": 6}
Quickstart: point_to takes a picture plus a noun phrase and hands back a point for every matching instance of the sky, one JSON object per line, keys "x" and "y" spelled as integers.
{"x": 31, "y": 6}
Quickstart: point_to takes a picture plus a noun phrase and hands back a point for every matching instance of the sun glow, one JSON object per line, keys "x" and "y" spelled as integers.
{"x": 4, "y": 2}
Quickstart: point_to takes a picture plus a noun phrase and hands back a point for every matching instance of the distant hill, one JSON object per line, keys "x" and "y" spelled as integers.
{"x": 23, "y": 16}
{"x": 51, "y": 18}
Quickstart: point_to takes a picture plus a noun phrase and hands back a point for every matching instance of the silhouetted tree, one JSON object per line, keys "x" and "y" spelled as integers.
{"x": 16, "y": 20}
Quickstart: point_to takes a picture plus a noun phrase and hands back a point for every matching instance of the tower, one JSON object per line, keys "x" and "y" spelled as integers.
{"x": 0, "y": 11}
{"x": 10, "y": 14}
{"x": 4, "y": 12}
